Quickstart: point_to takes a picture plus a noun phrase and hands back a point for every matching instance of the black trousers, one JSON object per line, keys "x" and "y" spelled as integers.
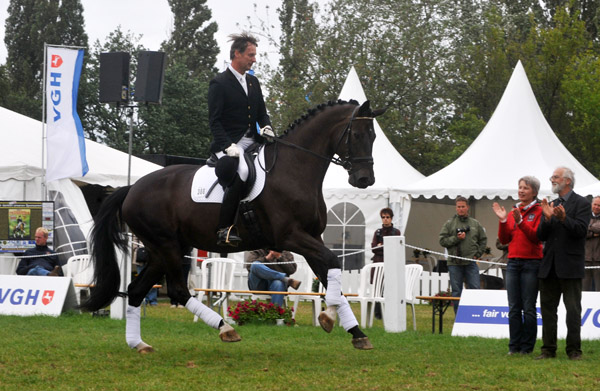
{"x": 551, "y": 289}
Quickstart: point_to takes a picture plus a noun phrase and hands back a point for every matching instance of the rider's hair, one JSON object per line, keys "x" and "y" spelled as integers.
{"x": 240, "y": 43}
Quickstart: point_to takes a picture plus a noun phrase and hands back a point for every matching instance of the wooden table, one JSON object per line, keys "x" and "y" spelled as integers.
{"x": 439, "y": 306}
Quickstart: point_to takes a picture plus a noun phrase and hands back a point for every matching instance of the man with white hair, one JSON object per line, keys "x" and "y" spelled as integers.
{"x": 563, "y": 228}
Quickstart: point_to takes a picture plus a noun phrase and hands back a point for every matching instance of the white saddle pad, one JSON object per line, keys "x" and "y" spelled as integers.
{"x": 205, "y": 177}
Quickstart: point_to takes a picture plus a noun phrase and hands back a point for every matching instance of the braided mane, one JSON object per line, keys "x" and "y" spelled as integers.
{"x": 314, "y": 111}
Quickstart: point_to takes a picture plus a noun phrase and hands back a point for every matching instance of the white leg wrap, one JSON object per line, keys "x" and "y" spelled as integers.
{"x": 132, "y": 326}
{"x": 207, "y": 315}
{"x": 333, "y": 296}
{"x": 347, "y": 318}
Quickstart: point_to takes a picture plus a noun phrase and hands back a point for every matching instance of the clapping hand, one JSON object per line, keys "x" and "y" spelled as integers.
{"x": 517, "y": 215}
{"x": 499, "y": 211}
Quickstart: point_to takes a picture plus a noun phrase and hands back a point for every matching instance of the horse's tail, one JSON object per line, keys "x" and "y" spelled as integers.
{"x": 105, "y": 235}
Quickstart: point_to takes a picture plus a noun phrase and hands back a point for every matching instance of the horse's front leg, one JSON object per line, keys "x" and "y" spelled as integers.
{"x": 327, "y": 267}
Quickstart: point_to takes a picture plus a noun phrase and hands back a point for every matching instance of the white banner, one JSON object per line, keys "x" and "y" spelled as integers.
{"x": 65, "y": 141}
{"x": 484, "y": 313}
{"x": 36, "y": 295}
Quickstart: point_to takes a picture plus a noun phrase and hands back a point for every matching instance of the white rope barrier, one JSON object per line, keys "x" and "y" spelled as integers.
{"x": 140, "y": 244}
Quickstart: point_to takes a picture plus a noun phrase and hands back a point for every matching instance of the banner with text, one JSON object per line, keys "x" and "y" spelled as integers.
{"x": 484, "y": 313}
{"x": 35, "y": 295}
{"x": 65, "y": 142}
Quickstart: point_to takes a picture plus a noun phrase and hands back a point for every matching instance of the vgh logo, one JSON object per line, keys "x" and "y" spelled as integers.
{"x": 56, "y": 61}
{"x": 47, "y": 297}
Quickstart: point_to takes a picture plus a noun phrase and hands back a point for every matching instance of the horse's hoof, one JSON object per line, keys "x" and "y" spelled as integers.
{"x": 228, "y": 334}
{"x": 327, "y": 318}
{"x": 362, "y": 343}
{"x": 143, "y": 348}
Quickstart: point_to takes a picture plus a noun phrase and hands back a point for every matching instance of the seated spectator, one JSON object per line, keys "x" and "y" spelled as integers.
{"x": 274, "y": 276}
{"x": 40, "y": 261}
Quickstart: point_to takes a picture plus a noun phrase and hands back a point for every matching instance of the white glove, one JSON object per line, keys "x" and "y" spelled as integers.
{"x": 233, "y": 150}
{"x": 267, "y": 131}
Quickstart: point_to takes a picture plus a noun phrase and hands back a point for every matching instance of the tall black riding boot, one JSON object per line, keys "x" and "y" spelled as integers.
{"x": 225, "y": 234}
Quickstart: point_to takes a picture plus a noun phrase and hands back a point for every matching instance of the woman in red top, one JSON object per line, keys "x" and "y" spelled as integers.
{"x": 518, "y": 229}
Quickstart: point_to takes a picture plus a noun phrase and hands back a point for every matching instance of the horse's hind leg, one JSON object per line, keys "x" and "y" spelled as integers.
{"x": 179, "y": 291}
{"x": 136, "y": 291}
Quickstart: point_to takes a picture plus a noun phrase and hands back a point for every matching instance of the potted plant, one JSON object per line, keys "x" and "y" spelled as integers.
{"x": 254, "y": 311}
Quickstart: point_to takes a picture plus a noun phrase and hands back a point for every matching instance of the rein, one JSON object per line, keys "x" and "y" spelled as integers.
{"x": 347, "y": 161}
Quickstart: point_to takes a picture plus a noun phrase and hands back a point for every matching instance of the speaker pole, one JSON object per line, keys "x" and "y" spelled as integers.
{"x": 130, "y": 151}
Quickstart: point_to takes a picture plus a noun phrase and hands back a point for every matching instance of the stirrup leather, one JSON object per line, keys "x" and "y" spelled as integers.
{"x": 234, "y": 236}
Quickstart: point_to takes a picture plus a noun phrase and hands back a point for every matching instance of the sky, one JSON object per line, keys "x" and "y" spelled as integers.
{"x": 153, "y": 19}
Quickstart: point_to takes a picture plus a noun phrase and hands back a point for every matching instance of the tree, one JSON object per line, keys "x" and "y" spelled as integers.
{"x": 106, "y": 123}
{"x": 29, "y": 24}
{"x": 581, "y": 88}
{"x": 295, "y": 86}
{"x": 179, "y": 126}
{"x": 192, "y": 42}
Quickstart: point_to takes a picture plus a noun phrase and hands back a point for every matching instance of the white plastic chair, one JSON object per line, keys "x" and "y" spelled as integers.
{"x": 412, "y": 277}
{"x": 217, "y": 273}
{"x": 369, "y": 293}
{"x": 315, "y": 299}
{"x": 81, "y": 270}
{"x": 195, "y": 276}
{"x": 8, "y": 264}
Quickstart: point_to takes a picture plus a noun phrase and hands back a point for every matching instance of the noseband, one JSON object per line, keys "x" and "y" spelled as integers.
{"x": 348, "y": 160}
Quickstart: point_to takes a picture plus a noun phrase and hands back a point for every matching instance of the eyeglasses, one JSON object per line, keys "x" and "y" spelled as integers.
{"x": 386, "y": 217}
{"x": 554, "y": 177}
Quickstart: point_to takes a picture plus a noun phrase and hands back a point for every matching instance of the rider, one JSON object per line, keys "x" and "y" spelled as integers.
{"x": 235, "y": 107}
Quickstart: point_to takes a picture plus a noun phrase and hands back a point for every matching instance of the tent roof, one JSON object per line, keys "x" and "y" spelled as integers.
{"x": 391, "y": 170}
{"x": 517, "y": 141}
{"x": 21, "y": 156}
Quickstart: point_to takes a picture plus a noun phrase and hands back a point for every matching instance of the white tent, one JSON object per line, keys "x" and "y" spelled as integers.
{"x": 592, "y": 190}
{"x": 516, "y": 141}
{"x": 391, "y": 172}
{"x": 21, "y": 166}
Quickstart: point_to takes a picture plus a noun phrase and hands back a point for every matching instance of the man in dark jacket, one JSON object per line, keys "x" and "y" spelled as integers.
{"x": 563, "y": 229}
{"x": 270, "y": 270}
{"x": 40, "y": 261}
{"x": 235, "y": 106}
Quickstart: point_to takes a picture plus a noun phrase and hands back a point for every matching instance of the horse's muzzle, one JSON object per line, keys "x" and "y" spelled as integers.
{"x": 362, "y": 178}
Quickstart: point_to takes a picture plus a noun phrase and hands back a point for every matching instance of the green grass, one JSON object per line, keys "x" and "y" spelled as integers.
{"x": 81, "y": 352}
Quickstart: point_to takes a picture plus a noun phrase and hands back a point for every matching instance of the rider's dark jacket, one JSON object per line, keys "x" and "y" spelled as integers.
{"x": 232, "y": 113}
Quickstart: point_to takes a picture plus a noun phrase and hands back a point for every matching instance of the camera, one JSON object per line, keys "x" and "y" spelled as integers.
{"x": 464, "y": 229}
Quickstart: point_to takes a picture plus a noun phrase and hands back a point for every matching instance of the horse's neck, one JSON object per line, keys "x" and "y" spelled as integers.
{"x": 319, "y": 137}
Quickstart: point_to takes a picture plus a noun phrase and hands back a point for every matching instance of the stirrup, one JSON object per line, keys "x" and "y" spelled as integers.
{"x": 226, "y": 238}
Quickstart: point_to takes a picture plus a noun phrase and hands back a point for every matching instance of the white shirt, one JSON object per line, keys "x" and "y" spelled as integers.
{"x": 241, "y": 78}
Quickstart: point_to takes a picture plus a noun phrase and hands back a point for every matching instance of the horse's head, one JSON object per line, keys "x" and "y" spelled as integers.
{"x": 356, "y": 146}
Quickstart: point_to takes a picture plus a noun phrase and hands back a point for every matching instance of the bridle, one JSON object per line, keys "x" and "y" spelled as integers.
{"x": 348, "y": 160}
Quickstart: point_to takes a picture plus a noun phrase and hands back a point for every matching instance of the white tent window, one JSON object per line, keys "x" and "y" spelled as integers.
{"x": 345, "y": 234}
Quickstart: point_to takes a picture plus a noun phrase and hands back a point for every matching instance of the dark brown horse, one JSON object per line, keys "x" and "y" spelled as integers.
{"x": 290, "y": 210}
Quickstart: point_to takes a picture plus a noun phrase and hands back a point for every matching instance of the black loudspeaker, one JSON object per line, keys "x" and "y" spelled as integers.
{"x": 114, "y": 77}
{"x": 150, "y": 74}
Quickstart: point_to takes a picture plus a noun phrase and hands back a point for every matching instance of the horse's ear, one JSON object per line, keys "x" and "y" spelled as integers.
{"x": 378, "y": 112}
{"x": 365, "y": 109}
